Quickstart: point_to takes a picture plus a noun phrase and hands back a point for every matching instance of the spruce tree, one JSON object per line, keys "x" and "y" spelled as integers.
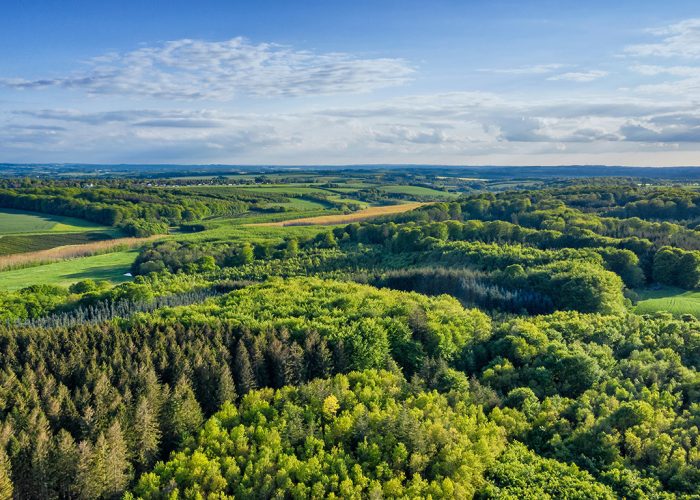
{"x": 92, "y": 469}
{"x": 64, "y": 464}
{"x": 6, "y": 488}
{"x": 225, "y": 387}
{"x": 118, "y": 468}
{"x": 244, "y": 371}
{"x": 145, "y": 434}
{"x": 318, "y": 360}
{"x": 183, "y": 415}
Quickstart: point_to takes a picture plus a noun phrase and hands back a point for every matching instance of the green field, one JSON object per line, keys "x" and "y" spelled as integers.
{"x": 19, "y": 222}
{"x": 674, "y": 300}
{"x": 284, "y": 189}
{"x": 22, "y": 243}
{"x": 299, "y": 204}
{"x": 107, "y": 267}
{"x": 418, "y": 191}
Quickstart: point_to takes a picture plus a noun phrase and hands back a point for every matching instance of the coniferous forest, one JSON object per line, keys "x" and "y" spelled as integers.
{"x": 268, "y": 337}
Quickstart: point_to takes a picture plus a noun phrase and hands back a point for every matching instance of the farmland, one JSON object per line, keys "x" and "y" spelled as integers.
{"x": 674, "y": 300}
{"x": 418, "y": 191}
{"x": 69, "y": 252}
{"x": 107, "y": 267}
{"x": 361, "y": 215}
{"x": 21, "y": 222}
{"x": 21, "y": 243}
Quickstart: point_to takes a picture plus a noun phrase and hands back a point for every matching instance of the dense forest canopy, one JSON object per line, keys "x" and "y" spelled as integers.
{"x": 488, "y": 344}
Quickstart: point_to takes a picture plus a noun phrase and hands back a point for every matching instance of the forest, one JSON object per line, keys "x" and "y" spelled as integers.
{"x": 489, "y": 343}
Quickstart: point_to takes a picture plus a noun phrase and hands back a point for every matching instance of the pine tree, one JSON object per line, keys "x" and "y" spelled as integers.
{"x": 41, "y": 473}
{"x": 183, "y": 415}
{"x": 276, "y": 357}
{"x": 6, "y": 488}
{"x": 318, "y": 361}
{"x": 145, "y": 434}
{"x": 64, "y": 463}
{"x": 118, "y": 468}
{"x": 225, "y": 388}
{"x": 92, "y": 468}
{"x": 244, "y": 371}
{"x": 294, "y": 370}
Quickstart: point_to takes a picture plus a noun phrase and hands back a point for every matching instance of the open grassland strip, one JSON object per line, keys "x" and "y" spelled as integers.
{"x": 418, "y": 191}
{"x": 361, "y": 215}
{"x": 24, "y": 243}
{"x": 57, "y": 254}
{"x": 111, "y": 267}
{"x": 24, "y": 222}
{"x": 670, "y": 299}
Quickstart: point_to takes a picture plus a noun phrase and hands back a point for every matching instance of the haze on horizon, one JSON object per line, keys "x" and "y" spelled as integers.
{"x": 319, "y": 82}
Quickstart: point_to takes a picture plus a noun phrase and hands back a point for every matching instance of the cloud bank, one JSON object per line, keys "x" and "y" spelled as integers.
{"x": 195, "y": 69}
{"x": 187, "y": 93}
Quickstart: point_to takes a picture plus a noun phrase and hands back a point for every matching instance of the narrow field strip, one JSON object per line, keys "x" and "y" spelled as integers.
{"x": 25, "y": 243}
{"x": 29, "y": 259}
{"x": 360, "y": 215}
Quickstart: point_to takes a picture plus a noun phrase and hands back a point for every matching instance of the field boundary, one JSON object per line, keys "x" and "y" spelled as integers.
{"x": 359, "y": 216}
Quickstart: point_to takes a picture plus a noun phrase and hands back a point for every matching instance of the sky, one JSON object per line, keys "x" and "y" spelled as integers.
{"x": 350, "y": 82}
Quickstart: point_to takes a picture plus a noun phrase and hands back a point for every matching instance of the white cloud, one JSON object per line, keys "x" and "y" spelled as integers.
{"x": 656, "y": 113}
{"x": 537, "y": 69}
{"x": 686, "y": 83}
{"x": 677, "y": 40}
{"x": 423, "y": 128}
{"x": 195, "y": 69}
{"x": 579, "y": 76}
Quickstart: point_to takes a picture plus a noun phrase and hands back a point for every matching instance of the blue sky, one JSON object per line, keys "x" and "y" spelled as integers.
{"x": 330, "y": 82}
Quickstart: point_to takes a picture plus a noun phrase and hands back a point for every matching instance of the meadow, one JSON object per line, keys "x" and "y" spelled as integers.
{"x": 671, "y": 299}
{"x": 106, "y": 267}
{"x": 21, "y": 222}
{"x": 418, "y": 191}
{"x": 70, "y": 252}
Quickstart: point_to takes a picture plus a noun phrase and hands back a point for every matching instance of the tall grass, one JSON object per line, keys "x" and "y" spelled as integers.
{"x": 57, "y": 254}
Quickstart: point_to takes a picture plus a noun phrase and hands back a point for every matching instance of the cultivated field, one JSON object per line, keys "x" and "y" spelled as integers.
{"x": 22, "y": 243}
{"x": 674, "y": 300}
{"x": 360, "y": 215}
{"x": 418, "y": 191}
{"x": 22, "y": 260}
{"x": 20, "y": 222}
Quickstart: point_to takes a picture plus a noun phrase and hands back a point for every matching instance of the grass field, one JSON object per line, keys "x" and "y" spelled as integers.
{"x": 108, "y": 267}
{"x": 674, "y": 300}
{"x": 299, "y": 204}
{"x": 19, "y": 222}
{"x": 284, "y": 189}
{"x": 360, "y": 215}
{"x": 21, "y": 243}
{"x": 418, "y": 191}
{"x": 56, "y": 254}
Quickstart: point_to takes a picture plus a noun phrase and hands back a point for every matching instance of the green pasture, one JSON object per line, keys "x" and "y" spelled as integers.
{"x": 417, "y": 191}
{"x": 674, "y": 300}
{"x": 21, "y": 222}
{"x": 106, "y": 267}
